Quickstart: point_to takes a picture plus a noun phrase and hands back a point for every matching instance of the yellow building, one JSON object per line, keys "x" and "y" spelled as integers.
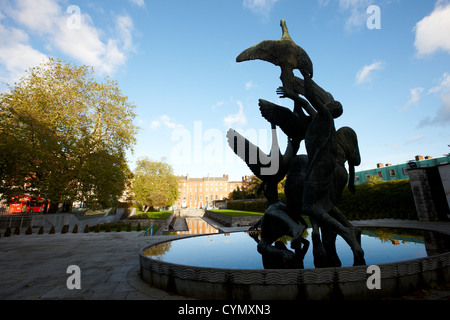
{"x": 202, "y": 192}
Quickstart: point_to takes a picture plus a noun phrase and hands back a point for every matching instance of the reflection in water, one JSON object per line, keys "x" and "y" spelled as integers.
{"x": 192, "y": 226}
{"x": 239, "y": 250}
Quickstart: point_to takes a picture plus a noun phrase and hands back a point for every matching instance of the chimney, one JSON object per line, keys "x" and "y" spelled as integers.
{"x": 428, "y": 157}
{"x": 418, "y": 158}
{"x": 388, "y": 164}
{"x": 380, "y": 165}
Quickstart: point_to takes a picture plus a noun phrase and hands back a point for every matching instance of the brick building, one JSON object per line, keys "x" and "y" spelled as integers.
{"x": 202, "y": 192}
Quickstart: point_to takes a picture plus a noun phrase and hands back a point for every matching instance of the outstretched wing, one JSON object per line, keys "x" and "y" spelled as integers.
{"x": 283, "y": 52}
{"x": 252, "y": 155}
{"x": 280, "y": 116}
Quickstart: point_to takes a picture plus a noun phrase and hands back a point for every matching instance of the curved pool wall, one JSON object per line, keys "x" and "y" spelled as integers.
{"x": 396, "y": 278}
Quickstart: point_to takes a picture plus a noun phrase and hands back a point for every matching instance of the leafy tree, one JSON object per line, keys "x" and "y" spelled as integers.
{"x": 64, "y": 135}
{"x": 154, "y": 184}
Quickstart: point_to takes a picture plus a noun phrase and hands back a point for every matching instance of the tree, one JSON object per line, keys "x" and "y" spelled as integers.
{"x": 64, "y": 135}
{"x": 154, "y": 184}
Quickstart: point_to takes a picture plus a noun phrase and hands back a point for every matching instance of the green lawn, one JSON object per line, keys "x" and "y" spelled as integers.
{"x": 237, "y": 213}
{"x": 152, "y": 215}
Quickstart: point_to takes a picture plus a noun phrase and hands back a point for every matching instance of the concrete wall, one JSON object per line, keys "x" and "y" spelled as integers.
{"x": 428, "y": 188}
{"x": 444, "y": 172}
{"x": 229, "y": 221}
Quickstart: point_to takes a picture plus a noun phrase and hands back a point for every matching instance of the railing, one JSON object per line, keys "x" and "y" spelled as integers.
{"x": 149, "y": 231}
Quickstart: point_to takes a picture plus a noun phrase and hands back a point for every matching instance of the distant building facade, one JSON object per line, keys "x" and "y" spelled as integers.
{"x": 388, "y": 172}
{"x": 202, "y": 192}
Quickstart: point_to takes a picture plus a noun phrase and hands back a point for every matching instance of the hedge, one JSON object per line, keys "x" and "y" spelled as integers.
{"x": 385, "y": 199}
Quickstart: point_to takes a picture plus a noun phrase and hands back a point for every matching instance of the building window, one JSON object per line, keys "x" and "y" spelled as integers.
{"x": 392, "y": 173}
{"x": 356, "y": 178}
{"x": 380, "y": 174}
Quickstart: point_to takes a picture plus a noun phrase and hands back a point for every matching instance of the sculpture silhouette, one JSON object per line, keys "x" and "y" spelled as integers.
{"x": 314, "y": 182}
{"x": 257, "y": 160}
{"x": 284, "y": 53}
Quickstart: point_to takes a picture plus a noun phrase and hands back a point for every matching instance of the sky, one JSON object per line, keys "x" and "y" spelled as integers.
{"x": 386, "y": 61}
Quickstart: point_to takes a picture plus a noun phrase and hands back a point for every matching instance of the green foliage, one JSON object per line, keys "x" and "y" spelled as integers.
{"x": 75, "y": 229}
{"x": 86, "y": 229}
{"x": 65, "y": 135}
{"x": 64, "y": 229}
{"x": 253, "y": 206}
{"x": 52, "y": 230}
{"x": 236, "y": 213}
{"x": 385, "y": 199}
{"x": 373, "y": 180}
{"x": 154, "y": 184}
{"x": 151, "y": 215}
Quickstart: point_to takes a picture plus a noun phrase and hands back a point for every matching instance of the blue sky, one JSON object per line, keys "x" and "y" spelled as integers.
{"x": 176, "y": 61}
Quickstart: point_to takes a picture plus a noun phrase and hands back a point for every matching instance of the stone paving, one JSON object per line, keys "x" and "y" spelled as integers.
{"x": 34, "y": 267}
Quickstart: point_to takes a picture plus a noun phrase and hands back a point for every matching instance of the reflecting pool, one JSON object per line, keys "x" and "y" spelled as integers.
{"x": 239, "y": 250}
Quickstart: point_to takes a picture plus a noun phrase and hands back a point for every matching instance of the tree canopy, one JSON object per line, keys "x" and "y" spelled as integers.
{"x": 64, "y": 136}
{"x": 154, "y": 184}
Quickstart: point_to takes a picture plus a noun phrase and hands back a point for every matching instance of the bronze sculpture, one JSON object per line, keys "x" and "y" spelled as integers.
{"x": 314, "y": 182}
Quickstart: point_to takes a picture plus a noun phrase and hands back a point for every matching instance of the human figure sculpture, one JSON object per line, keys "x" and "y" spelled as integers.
{"x": 314, "y": 181}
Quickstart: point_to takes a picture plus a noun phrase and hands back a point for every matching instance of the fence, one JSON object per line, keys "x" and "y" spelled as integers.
{"x": 57, "y": 220}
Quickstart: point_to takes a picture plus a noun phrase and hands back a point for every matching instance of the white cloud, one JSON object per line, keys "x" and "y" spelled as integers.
{"x": 442, "y": 116}
{"x": 47, "y": 20}
{"x": 238, "y": 118}
{"x": 364, "y": 74}
{"x": 432, "y": 31}
{"x": 415, "y": 97}
{"x": 261, "y": 7}
{"x": 358, "y": 12}
{"x": 16, "y": 54}
{"x": 249, "y": 85}
{"x": 165, "y": 121}
{"x": 444, "y": 84}
{"x": 139, "y": 3}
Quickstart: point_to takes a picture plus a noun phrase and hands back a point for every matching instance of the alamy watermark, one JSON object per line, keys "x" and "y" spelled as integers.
{"x": 74, "y": 280}
{"x": 374, "y": 280}
{"x": 210, "y": 147}
{"x": 74, "y": 19}
{"x": 374, "y": 20}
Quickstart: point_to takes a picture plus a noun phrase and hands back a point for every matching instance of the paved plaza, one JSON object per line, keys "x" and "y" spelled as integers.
{"x": 34, "y": 267}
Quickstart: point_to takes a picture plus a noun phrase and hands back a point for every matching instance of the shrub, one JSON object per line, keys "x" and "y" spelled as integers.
{"x": 97, "y": 228}
{"x": 8, "y": 232}
{"x": 75, "y": 229}
{"x": 29, "y": 230}
{"x": 108, "y": 228}
{"x": 64, "y": 229}
{"x": 52, "y": 230}
{"x": 129, "y": 227}
{"x": 386, "y": 199}
{"x": 119, "y": 228}
{"x": 86, "y": 229}
{"x": 138, "y": 228}
{"x": 17, "y": 230}
{"x": 41, "y": 230}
